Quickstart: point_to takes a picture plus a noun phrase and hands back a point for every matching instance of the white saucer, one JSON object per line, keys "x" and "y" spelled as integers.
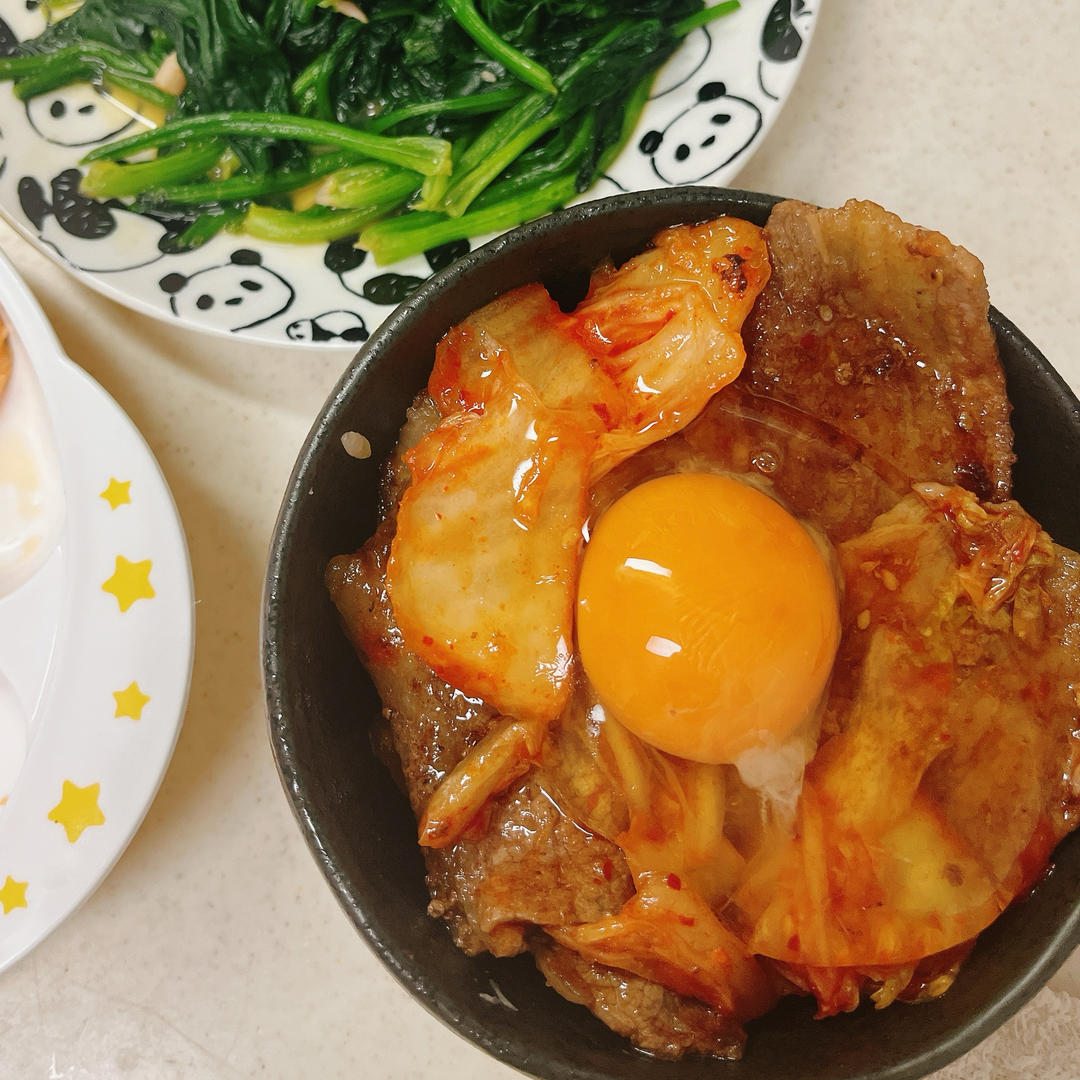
{"x": 96, "y": 646}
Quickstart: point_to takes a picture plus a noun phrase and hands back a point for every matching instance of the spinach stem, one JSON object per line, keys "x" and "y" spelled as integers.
{"x": 469, "y": 105}
{"x": 635, "y": 105}
{"x": 397, "y": 238}
{"x": 703, "y": 17}
{"x": 362, "y": 185}
{"x": 109, "y": 180}
{"x": 504, "y": 127}
{"x": 312, "y": 226}
{"x": 50, "y": 77}
{"x": 206, "y": 227}
{"x": 515, "y": 130}
{"x": 251, "y": 185}
{"x": 141, "y": 88}
{"x": 542, "y": 167}
{"x": 422, "y": 153}
{"x": 460, "y": 194}
{"x": 517, "y": 63}
{"x": 92, "y": 54}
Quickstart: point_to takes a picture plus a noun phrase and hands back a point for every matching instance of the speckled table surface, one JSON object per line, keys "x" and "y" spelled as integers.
{"x": 214, "y": 949}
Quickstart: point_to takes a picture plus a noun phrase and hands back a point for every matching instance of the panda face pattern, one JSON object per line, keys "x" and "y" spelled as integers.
{"x": 703, "y": 138}
{"x": 23, "y": 20}
{"x": 782, "y": 35}
{"x": 344, "y": 258}
{"x": 74, "y": 226}
{"x": 9, "y": 42}
{"x": 76, "y": 116}
{"x": 687, "y": 61}
{"x": 785, "y": 29}
{"x": 236, "y": 295}
{"x": 341, "y": 326}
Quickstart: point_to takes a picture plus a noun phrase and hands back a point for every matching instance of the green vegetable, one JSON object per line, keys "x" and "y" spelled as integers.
{"x": 88, "y": 61}
{"x": 476, "y": 113}
{"x": 397, "y": 238}
{"x": 314, "y": 225}
{"x": 517, "y": 63}
{"x": 364, "y": 185}
{"x": 207, "y": 226}
{"x": 494, "y": 101}
{"x": 618, "y": 59}
{"x": 242, "y": 187}
{"x": 107, "y": 180}
{"x": 423, "y": 153}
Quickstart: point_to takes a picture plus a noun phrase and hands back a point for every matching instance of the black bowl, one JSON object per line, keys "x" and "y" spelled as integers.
{"x": 358, "y": 825}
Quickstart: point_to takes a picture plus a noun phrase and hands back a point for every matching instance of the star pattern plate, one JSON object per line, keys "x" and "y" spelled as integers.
{"x": 96, "y": 639}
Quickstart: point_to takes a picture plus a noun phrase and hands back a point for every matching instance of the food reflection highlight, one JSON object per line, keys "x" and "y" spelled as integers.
{"x": 718, "y": 663}
{"x": 707, "y": 618}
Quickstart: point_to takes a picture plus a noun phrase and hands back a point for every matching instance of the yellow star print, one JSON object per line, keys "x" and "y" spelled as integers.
{"x": 117, "y": 492}
{"x": 12, "y": 895}
{"x": 130, "y": 582}
{"x": 77, "y": 809}
{"x": 130, "y": 702}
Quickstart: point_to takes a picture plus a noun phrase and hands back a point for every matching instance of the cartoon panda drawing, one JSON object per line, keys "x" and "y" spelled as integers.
{"x": 24, "y": 21}
{"x": 9, "y": 43}
{"x": 603, "y": 186}
{"x": 76, "y": 115}
{"x": 343, "y": 258}
{"x": 235, "y": 295}
{"x": 704, "y": 137}
{"x": 331, "y": 326}
{"x": 346, "y": 260}
{"x": 687, "y": 61}
{"x": 74, "y": 226}
{"x": 782, "y": 37}
{"x": 438, "y": 258}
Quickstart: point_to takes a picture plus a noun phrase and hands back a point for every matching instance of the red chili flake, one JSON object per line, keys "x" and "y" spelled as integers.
{"x": 604, "y": 413}
{"x": 607, "y": 869}
{"x": 654, "y": 831}
{"x": 686, "y": 920}
{"x": 808, "y": 341}
{"x": 428, "y": 640}
{"x": 793, "y": 943}
{"x": 672, "y": 881}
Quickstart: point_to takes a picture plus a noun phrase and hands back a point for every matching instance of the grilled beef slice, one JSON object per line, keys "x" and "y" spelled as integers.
{"x": 880, "y": 328}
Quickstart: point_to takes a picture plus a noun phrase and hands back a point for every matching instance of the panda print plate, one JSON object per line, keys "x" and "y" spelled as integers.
{"x": 710, "y": 107}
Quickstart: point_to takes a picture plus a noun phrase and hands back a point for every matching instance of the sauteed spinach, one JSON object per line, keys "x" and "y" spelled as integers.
{"x": 413, "y": 122}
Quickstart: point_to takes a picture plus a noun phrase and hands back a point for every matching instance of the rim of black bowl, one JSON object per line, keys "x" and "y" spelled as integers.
{"x": 359, "y": 899}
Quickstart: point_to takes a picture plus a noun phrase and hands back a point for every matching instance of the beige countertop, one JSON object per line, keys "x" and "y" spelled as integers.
{"x": 214, "y": 948}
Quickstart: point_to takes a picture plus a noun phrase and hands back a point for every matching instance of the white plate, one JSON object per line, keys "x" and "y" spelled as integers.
{"x": 94, "y": 670}
{"x": 711, "y": 106}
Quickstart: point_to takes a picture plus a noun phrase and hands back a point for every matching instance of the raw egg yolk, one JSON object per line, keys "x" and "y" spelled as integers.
{"x": 707, "y": 617}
